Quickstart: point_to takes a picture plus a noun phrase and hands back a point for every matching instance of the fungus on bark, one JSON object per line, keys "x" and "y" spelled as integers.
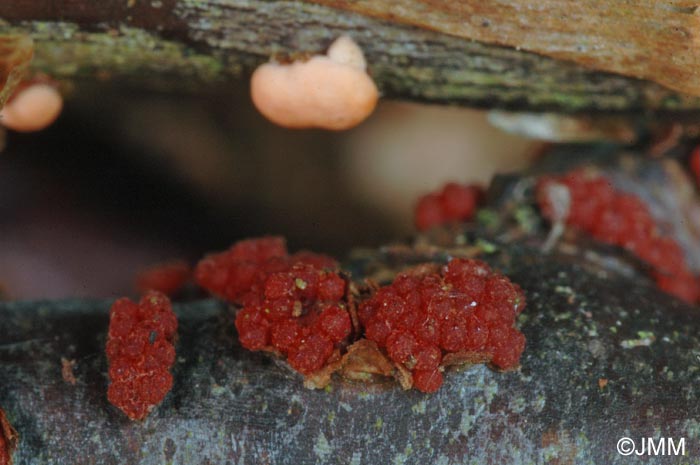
{"x": 455, "y": 202}
{"x": 32, "y": 107}
{"x": 621, "y": 219}
{"x": 140, "y": 349}
{"x": 301, "y": 314}
{"x": 331, "y": 91}
{"x": 238, "y": 274}
{"x": 294, "y": 305}
{"x": 302, "y": 307}
{"x": 434, "y": 316}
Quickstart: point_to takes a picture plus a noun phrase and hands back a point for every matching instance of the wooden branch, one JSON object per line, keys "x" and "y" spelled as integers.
{"x": 194, "y": 43}
{"x": 608, "y": 355}
{"x": 650, "y": 39}
{"x": 581, "y": 387}
{"x": 229, "y": 405}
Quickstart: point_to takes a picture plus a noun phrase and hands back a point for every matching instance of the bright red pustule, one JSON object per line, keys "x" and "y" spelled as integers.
{"x": 301, "y": 314}
{"x": 238, "y": 274}
{"x": 455, "y": 202}
{"x": 140, "y": 351}
{"x": 621, "y": 219}
{"x": 465, "y": 308}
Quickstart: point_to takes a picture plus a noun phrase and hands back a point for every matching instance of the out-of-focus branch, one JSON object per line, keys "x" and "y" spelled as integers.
{"x": 193, "y": 43}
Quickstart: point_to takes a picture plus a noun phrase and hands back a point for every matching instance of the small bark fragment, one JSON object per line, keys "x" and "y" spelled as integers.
{"x": 67, "y": 367}
{"x": 8, "y": 440}
{"x": 363, "y": 361}
{"x": 16, "y": 52}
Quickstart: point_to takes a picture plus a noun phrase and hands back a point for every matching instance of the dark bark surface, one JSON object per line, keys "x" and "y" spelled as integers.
{"x": 608, "y": 356}
{"x": 232, "y": 406}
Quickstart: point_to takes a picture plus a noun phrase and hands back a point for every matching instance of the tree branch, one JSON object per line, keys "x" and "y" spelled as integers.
{"x": 604, "y": 346}
{"x": 194, "y": 43}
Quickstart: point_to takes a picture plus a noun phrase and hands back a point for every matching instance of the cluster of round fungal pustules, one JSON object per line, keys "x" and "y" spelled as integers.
{"x": 299, "y": 306}
{"x": 238, "y": 274}
{"x": 292, "y": 304}
{"x": 331, "y": 91}
{"x": 593, "y": 205}
{"x": 463, "y": 309}
{"x": 301, "y": 313}
{"x": 140, "y": 351}
{"x": 453, "y": 203}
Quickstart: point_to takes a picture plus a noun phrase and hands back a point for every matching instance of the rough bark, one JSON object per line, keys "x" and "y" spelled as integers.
{"x": 194, "y": 43}
{"x": 608, "y": 356}
{"x": 651, "y": 39}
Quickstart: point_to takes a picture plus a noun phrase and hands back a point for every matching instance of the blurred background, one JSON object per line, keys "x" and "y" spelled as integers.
{"x": 126, "y": 179}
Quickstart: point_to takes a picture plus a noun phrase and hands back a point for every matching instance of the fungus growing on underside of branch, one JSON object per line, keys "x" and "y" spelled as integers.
{"x": 32, "y": 108}
{"x": 330, "y": 91}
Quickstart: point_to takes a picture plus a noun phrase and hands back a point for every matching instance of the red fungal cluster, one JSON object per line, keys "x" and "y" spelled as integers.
{"x": 297, "y": 305}
{"x": 293, "y": 304}
{"x": 300, "y": 314}
{"x": 464, "y": 309}
{"x": 622, "y": 219}
{"x": 167, "y": 278}
{"x": 455, "y": 202}
{"x": 140, "y": 352}
{"x": 239, "y": 274}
